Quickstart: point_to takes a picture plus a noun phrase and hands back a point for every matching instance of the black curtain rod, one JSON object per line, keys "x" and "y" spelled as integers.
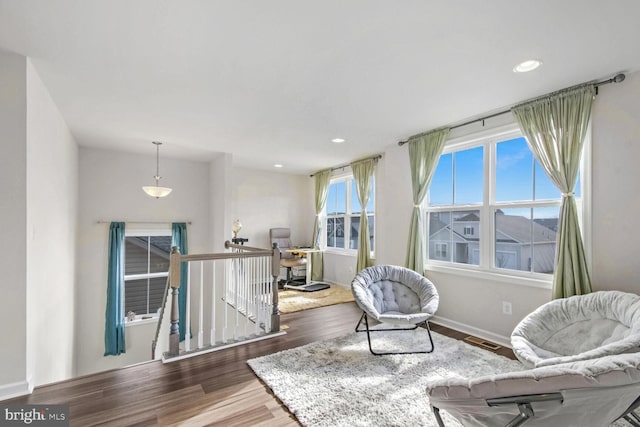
{"x": 378, "y": 157}
{"x": 615, "y": 79}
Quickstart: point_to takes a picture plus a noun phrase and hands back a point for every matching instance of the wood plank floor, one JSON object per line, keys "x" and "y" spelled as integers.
{"x": 216, "y": 389}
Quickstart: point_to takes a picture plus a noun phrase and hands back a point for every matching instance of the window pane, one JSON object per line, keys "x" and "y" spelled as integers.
{"x": 355, "y": 229}
{"x": 514, "y": 171}
{"x": 335, "y": 232}
{"x": 441, "y": 187}
{"x": 160, "y": 249}
{"x": 156, "y": 293}
{"x": 339, "y": 232}
{"x": 135, "y": 296}
{"x": 331, "y": 227}
{"x": 455, "y": 236}
{"x": 526, "y": 239}
{"x": 544, "y": 239}
{"x": 144, "y": 296}
{"x": 136, "y": 252}
{"x": 337, "y": 198}
{"x": 469, "y": 167}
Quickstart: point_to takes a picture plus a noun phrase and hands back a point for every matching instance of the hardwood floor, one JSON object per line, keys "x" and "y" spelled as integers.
{"x": 216, "y": 389}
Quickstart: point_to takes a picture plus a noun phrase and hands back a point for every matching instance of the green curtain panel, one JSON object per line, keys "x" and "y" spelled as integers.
{"x": 322, "y": 179}
{"x": 555, "y": 127}
{"x": 114, "y": 342}
{"x": 179, "y": 239}
{"x": 363, "y": 171}
{"x": 424, "y": 153}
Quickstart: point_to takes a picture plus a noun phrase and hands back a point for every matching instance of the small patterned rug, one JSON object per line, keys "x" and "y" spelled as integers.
{"x": 291, "y": 301}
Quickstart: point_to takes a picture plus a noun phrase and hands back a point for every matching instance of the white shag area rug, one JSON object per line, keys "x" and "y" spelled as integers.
{"x": 339, "y": 383}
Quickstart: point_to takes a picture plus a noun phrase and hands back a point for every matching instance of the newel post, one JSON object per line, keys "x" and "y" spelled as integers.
{"x": 174, "y": 282}
{"x": 275, "y": 272}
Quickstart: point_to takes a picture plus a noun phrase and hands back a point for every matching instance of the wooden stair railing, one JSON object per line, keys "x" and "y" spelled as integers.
{"x": 238, "y": 302}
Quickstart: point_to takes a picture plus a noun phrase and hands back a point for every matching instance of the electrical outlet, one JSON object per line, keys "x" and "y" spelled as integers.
{"x": 506, "y": 308}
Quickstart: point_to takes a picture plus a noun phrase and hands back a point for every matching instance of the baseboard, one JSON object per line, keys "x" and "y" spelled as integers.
{"x": 9, "y": 391}
{"x": 480, "y": 333}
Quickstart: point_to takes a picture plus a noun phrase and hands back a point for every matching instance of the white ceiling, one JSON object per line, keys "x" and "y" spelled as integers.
{"x": 274, "y": 81}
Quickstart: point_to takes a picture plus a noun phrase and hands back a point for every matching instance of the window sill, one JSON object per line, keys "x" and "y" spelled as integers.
{"x": 496, "y": 276}
{"x": 141, "y": 321}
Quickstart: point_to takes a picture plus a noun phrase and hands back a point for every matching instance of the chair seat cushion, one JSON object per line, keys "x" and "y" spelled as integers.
{"x": 293, "y": 262}
{"x": 394, "y": 294}
{"x": 578, "y": 328}
{"x": 398, "y": 318}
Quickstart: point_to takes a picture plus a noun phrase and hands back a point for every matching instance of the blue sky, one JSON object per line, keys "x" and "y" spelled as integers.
{"x": 516, "y": 174}
{"x": 337, "y": 197}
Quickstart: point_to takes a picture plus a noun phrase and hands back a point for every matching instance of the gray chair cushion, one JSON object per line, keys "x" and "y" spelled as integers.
{"x": 394, "y": 294}
{"x": 579, "y": 328}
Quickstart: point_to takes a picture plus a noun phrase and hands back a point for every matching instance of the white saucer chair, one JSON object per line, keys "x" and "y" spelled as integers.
{"x": 578, "y": 328}
{"x": 587, "y": 393}
{"x": 397, "y": 296}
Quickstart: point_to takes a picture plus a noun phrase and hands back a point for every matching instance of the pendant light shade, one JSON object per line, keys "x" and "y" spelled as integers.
{"x": 155, "y": 190}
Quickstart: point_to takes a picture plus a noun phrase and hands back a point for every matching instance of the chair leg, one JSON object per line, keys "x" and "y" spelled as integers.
{"x": 368, "y": 331}
{"x": 436, "y": 413}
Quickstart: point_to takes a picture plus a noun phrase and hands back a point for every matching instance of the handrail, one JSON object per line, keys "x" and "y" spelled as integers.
{"x": 225, "y": 255}
{"x": 229, "y": 245}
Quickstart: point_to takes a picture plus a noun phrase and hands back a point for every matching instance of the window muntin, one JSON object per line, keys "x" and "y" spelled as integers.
{"x": 146, "y": 271}
{"x": 517, "y": 216}
{"x": 343, "y": 211}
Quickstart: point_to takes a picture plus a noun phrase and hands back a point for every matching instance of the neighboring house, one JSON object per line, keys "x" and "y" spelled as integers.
{"x": 519, "y": 241}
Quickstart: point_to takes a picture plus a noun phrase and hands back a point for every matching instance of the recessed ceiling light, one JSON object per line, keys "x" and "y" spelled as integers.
{"x": 278, "y": 165}
{"x": 526, "y": 66}
{"x": 338, "y": 140}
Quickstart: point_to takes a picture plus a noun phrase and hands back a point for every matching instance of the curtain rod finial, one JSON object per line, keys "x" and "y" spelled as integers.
{"x": 619, "y": 78}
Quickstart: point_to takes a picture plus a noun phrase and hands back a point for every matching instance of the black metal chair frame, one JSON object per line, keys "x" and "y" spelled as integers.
{"x": 368, "y": 330}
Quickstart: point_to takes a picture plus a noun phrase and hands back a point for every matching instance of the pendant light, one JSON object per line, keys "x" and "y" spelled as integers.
{"x": 157, "y": 191}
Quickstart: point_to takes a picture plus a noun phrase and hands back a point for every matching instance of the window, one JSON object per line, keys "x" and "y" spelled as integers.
{"x": 146, "y": 270}
{"x": 343, "y": 214}
{"x": 494, "y": 207}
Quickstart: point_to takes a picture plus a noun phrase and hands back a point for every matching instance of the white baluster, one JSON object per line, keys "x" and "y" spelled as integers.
{"x": 201, "y": 308}
{"x": 187, "y": 323}
{"x": 212, "y": 338}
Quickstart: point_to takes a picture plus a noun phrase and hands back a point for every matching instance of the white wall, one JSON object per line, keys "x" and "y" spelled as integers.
{"x": 13, "y": 214}
{"x": 52, "y": 192}
{"x": 264, "y": 200}
{"x": 616, "y": 175}
{"x": 110, "y": 190}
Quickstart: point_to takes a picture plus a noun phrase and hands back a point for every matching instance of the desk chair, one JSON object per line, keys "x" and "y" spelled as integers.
{"x": 282, "y": 236}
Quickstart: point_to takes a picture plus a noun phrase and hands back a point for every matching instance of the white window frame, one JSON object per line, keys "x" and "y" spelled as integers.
{"x": 142, "y": 231}
{"x": 347, "y": 178}
{"x": 487, "y": 269}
